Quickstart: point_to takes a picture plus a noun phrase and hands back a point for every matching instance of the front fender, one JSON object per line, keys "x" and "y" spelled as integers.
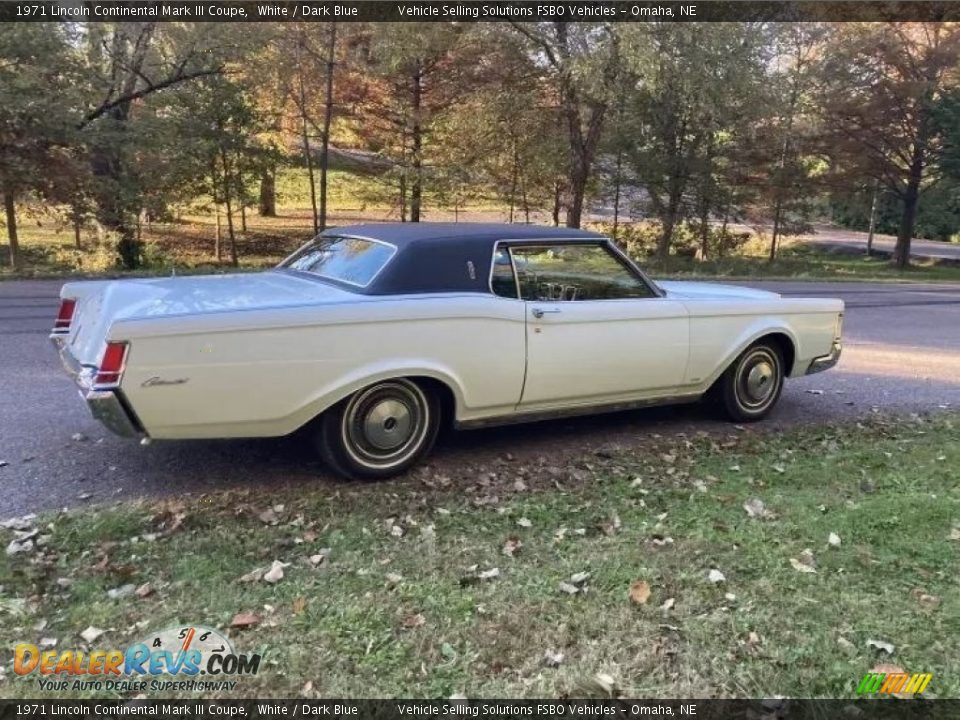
{"x": 735, "y": 343}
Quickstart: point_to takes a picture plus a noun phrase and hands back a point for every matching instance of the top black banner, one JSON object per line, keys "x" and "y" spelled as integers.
{"x": 473, "y": 11}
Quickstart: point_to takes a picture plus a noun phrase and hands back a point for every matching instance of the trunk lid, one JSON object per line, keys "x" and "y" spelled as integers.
{"x": 101, "y": 303}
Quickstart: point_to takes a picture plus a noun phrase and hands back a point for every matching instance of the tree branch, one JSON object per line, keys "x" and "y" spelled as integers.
{"x": 149, "y": 89}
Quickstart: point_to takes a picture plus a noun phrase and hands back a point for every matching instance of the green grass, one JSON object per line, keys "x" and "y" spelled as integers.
{"x": 889, "y": 488}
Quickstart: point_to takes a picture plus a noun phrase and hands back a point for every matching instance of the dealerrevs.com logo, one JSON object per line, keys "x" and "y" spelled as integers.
{"x": 192, "y": 658}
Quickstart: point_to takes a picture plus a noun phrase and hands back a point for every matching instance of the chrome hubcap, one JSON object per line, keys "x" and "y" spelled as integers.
{"x": 758, "y": 378}
{"x": 760, "y": 381}
{"x": 388, "y": 424}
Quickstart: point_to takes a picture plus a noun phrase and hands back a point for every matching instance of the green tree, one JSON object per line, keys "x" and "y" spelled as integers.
{"x": 882, "y": 84}
{"x": 127, "y": 62}
{"x": 584, "y": 64}
{"x": 38, "y": 106}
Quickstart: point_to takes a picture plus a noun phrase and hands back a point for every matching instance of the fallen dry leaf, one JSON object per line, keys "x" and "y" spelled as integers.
{"x": 833, "y": 540}
{"x": 567, "y": 588}
{"x": 299, "y": 605}
{"x": 275, "y": 573}
{"x": 413, "y": 620}
{"x": 955, "y": 534}
{"x": 144, "y": 590}
{"x": 639, "y": 592}
{"x": 552, "y": 659}
{"x": 268, "y": 517}
{"x": 606, "y": 683}
{"x": 668, "y": 604}
{"x": 91, "y": 634}
{"x": 930, "y": 602}
{"x": 882, "y": 645}
{"x": 524, "y": 522}
{"x": 512, "y": 546}
{"x": 715, "y": 576}
{"x": 254, "y": 575}
{"x": 489, "y": 574}
{"x": 244, "y": 620}
{"x": 802, "y": 567}
{"x": 757, "y": 509}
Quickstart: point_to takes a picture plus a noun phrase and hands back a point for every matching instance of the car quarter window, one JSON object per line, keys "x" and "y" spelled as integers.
{"x": 571, "y": 272}
{"x": 502, "y": 280}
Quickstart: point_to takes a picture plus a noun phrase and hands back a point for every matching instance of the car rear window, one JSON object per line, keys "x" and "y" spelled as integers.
{"x": 350, "y": 260}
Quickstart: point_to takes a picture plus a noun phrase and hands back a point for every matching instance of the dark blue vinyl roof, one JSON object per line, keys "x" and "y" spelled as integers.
{"x": 446, "y": 257}
{"x": 404, "y": 233}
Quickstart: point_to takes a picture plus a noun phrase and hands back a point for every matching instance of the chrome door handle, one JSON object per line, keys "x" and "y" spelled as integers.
{"x": 540, "y": 312}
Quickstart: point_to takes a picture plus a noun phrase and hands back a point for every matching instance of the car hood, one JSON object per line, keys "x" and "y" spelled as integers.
{"x": 692, "y": 290}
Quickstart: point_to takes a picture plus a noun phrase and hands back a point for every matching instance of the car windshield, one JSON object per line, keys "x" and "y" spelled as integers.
{"x": 345, "y": 259}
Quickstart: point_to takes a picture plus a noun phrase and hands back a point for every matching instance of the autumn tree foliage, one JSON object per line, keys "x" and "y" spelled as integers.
{"x": 882, "y": 84}
{"x": 699, "y": 124}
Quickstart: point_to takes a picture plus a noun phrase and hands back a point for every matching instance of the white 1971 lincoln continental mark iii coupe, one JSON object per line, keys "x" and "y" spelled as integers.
{"x": 371, "y": 336}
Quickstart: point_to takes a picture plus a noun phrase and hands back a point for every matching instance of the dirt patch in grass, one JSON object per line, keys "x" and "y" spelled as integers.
{"x": 772, "y": 560}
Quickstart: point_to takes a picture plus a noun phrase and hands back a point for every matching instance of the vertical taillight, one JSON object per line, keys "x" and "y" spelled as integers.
{"x": 111, "y": 366}
{"x": 65, "y": 315}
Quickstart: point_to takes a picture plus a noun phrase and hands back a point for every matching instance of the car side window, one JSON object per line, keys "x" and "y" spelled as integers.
{"x": 502, "y": 280}
{"x": 572, "y": 272}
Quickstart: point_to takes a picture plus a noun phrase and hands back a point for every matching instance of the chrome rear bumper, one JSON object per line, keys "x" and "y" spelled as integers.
{"x": 106, "y": 406}
{"x": 825, "y": 362}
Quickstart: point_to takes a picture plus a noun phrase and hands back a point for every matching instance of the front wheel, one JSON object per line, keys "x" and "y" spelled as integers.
{"x": 751, "y": 386}
{"x": 380, "y": 431}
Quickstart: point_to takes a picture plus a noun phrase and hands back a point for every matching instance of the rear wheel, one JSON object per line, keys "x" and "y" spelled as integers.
{"x": 751, "y": 386}
{"x": 380, "y": 431}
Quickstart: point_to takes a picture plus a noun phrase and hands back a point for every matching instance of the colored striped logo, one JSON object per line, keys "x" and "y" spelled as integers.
{"x": 894, "y": 683}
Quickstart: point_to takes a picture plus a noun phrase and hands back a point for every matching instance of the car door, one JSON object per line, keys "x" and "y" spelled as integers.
{"x": 597, "y": 331}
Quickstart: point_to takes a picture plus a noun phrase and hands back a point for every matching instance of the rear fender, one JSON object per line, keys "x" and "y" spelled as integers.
{"x": 343, "y": 387}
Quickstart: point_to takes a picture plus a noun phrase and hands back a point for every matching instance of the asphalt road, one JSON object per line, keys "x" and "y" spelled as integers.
{"x": 902, "y": 353}
{"x": 852, "y": 240}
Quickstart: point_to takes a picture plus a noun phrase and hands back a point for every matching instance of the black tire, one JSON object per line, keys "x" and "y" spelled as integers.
{"x": 751, "y": 386}
{"x": 380, "y": 431}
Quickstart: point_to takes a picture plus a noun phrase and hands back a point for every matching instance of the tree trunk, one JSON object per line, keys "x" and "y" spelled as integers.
{"x": 230, "y": 234}
{"x": 617, "y": 181}
{"x": 557, "y": 195}
{"x": 911, "y": 199}
{"x": 327, "y": 119}
{"x": 9, "y": 206}
{"x": 704, "y": 228}
{"x": 77, "y": 225}
{"x": 777, "y": 215}
{"x": 513, "y": 180}
{"x": 578, "y": 188}
{"x": 218, "y": 241}
{"x": 305, "y": 138}
{"x": 403, "y": 196}
{"x": 228, "y": 201}
{"x": 524, "y": 198}
{"x": 873, "y": 218}
{"x": 416, "y": 188}
{"x": 268, "y": 193}
{"x": 722, "y": 247}
{"x": 670, "y": 220}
